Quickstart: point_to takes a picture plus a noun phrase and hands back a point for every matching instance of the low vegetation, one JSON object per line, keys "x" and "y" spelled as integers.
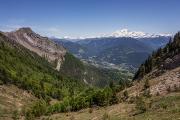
{"x": 154, "y": 108}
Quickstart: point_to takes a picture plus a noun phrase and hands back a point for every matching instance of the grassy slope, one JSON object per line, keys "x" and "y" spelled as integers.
{"x": 163, "y": 108}
{"x": 13, "y": 99}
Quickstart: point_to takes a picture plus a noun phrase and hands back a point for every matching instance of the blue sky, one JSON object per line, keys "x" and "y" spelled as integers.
{"x": 90, "y": 17}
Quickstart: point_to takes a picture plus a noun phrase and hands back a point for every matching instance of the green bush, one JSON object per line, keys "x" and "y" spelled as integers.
{"x": 141, "y": 105}
{"x": 36, "y": 110}
{"x": 88, "y": 98}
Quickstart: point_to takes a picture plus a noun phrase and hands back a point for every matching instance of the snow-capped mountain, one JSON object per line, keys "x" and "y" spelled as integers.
{"x": 136, "y": 34}
{"x": 119, "y": 34}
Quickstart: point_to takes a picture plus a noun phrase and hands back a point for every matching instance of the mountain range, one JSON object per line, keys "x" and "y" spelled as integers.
{"x": 124, "y": 51}
{"x": 41, "y": 79}
{"x": 62, "y": 60}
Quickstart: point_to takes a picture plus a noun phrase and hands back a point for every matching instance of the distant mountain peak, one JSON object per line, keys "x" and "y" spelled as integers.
{"x": 136, "y": 34}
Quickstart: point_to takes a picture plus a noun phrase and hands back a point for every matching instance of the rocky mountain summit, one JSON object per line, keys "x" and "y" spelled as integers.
{"x": 38, "y": 44}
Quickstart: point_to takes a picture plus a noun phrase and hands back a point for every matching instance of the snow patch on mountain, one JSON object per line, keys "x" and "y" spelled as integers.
{"x": 136, "y": 34}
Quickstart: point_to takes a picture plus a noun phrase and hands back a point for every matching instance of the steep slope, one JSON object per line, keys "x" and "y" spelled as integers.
{"x": 13, "y": 100}
{"x": 54, "y": 91}
{"x": 160, "y": 73}
{"x": 38, "y": 44}
{"x": 31, "y": 72}
{"x": 163, "y": 59}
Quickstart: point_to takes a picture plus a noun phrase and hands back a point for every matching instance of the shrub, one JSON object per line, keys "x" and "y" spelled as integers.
{"x": 36, "y": 110}
{"x": 141, "y": 105}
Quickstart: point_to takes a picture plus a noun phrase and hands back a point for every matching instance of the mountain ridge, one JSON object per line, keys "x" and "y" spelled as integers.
{"x": 38, "y": 44}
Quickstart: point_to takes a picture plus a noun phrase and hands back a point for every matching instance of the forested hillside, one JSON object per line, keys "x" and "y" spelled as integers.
{"x": 163, "y": 59}
{"x": 27, "y": 70}
{"x": 91, "y": 75}
{"x": 30, "y": 72}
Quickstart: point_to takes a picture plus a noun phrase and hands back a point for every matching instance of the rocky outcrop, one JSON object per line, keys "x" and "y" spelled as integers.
{"x": 40, "y": 45}
{"x": 167, "y": 82}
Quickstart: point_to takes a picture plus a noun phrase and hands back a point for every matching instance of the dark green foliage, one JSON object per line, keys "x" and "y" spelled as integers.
{"x": 72, "y": 67}
{"x": 36, "y": 110}
{"x": 102, "y": 77}
{"x": 28, "y": 71}
{"x": 157, "y": 58}
{"x": 90, "y": 97}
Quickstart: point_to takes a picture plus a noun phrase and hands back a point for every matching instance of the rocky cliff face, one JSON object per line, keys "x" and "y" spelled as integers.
{"x": 40, "y": 45}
